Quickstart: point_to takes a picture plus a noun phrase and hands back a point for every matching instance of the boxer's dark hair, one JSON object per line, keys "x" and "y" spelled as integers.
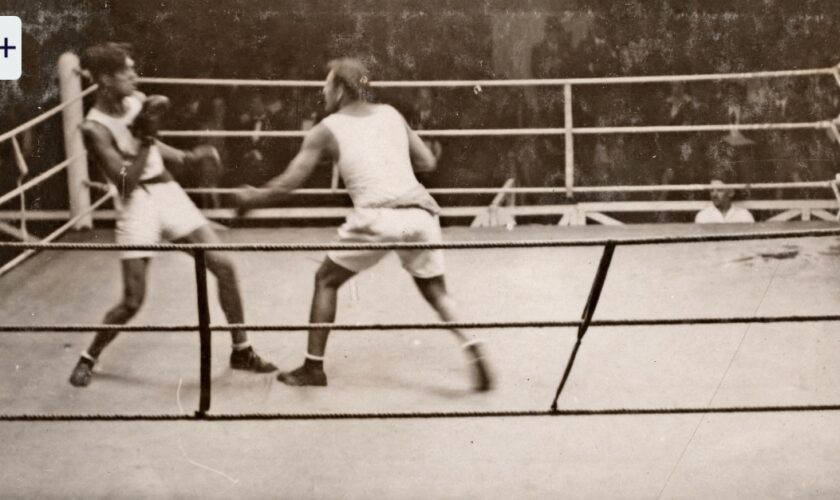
{"x": 105, "y": 58}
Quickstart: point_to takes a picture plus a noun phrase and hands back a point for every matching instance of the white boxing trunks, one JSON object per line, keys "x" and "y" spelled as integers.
{"x": 154, "y": 213}
{"x": 385, "y": 225}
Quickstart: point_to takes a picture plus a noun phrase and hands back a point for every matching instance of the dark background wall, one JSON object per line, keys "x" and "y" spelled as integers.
{"x": 434, "y": 39}
{"x": 419, "y": 39}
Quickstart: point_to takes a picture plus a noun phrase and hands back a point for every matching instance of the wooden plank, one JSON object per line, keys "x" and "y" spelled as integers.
{"x": 505, "y": 218}
{"x": 481, "y": 220}
{"x": 580, "y": 216}
{"x": 643, "y": 206}
{"x": 542, "y": 209}
{"x": 570, "y": 212}
{"x": 491, "y": 218}
{"x": 500, "y": 197}
{"x": 786, "y": 215}
{"x": 687, "y": 206}
{"x": 565, "y": 220}
{"x": 14, "y": 232}
{"x": 603, "y": 219}
{"x": 823, "y": 215}
{"x": 787, "y": 204}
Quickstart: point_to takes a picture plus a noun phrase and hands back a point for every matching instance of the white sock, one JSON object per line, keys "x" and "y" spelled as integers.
{"x": 241, "y": 346}
{"x": 88, "y": 357}
{"x": 314, "y": 357}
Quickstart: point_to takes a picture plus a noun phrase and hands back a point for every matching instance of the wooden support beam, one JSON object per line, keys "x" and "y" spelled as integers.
{"x": 14, "y": 232}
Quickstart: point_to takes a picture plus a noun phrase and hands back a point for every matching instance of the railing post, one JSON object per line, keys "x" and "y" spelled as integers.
{"x": 335, "y": 177}
{"x": 70, "y": 84}
{"x": 204, "y": 334}
{"x": 569, "y": 145}
{"x": 23, "y": 170}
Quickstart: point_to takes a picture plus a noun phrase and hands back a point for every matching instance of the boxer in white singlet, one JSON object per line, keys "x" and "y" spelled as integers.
{"x": 121, "y": 134}
{"x": 377, "y": 154}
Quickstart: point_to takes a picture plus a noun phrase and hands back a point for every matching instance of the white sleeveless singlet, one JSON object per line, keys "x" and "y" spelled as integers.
{"x": 374, "y": 160}
{"x": 125, "y": 141}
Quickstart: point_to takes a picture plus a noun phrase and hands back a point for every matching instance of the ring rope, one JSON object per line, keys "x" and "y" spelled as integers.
{"x": 526, "y": 82}
{"x": 591, "y": 130}
{"x": 40, "y": 178}
{"x": 606, "y": 130}
{"x": 464, "y": 325}
{"x": 293, "y": 327}
{"x": 43, "y": 116}
{"x": 822, "y": 124}
{"x": 419, "y": 415}
{"x": 55, "y": 234}
{"x": 493, "y": 132}
{"x": 453, "y": 245}
{"x": 558, "y": 190}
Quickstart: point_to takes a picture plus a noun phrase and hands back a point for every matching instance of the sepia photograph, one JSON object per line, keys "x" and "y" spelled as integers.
{"x": 419, "y": 249}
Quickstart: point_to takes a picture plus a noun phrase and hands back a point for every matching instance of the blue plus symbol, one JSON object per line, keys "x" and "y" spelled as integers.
{"x": 6, "y": 48}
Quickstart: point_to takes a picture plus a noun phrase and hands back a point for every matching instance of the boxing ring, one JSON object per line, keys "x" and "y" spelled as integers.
{"x": 681, "y": 359}
{"x": 205, "y": 328}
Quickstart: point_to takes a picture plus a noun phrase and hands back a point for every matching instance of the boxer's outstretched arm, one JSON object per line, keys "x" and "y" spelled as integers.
{"x": 422, "y": 158}
{"x": 318, "y": 145}
{"x": 170, "y": 155}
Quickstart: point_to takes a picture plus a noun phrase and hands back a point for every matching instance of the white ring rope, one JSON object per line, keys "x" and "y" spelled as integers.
{"x": 43, "y": 116}
{"x": 232, "y": 133}
{"x": 477, "y": 84}
{"x": 493, "y": 132}
{"x": 58, "y": 232}
{"x": 823, "y": 124}
{"x": 561, "y": 190}
{"x": 41, "y": 177}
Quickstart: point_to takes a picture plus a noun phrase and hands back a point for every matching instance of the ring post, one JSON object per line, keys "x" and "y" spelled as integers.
{"x": 70, "y": 84}
{"x": 203, "y": 332}
{"x": 588, "y": 312}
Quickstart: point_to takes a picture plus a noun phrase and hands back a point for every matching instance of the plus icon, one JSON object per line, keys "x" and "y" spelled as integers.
{"x": 6, "y": 48}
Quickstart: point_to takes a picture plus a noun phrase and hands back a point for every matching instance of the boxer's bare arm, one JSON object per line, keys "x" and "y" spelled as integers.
{"x": 124, "y": 176}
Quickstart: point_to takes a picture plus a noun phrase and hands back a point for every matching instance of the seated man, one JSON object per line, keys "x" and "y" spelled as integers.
{"x": 721, "y": 210}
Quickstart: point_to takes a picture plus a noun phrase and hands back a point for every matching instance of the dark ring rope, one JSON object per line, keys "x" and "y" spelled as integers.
{"x": 454, "y": 245}
{"x": 583, "y": 324}
{"x": 418, "y": 415}
{"x": 586, "y": 317}
{"x": 422, "y": 326}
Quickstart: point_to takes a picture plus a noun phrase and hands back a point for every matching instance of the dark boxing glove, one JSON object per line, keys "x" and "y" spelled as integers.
{"x": 149, "y": 121}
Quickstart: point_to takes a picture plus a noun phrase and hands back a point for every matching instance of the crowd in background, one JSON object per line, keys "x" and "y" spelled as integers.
{"x": 616, "y": 43}
{"x": 617, "y": 39}
{"x": 685, "y": 158}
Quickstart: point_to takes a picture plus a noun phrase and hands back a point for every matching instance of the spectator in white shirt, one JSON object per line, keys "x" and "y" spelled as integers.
{"x": 721, "y": 209}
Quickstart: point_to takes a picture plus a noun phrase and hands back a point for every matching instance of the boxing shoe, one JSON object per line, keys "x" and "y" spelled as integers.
{"x": 82, "y": 373}
{"x": 248, "y": 360}
{"x": 482, "y": 380}
{"x": 304, "y": 376}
